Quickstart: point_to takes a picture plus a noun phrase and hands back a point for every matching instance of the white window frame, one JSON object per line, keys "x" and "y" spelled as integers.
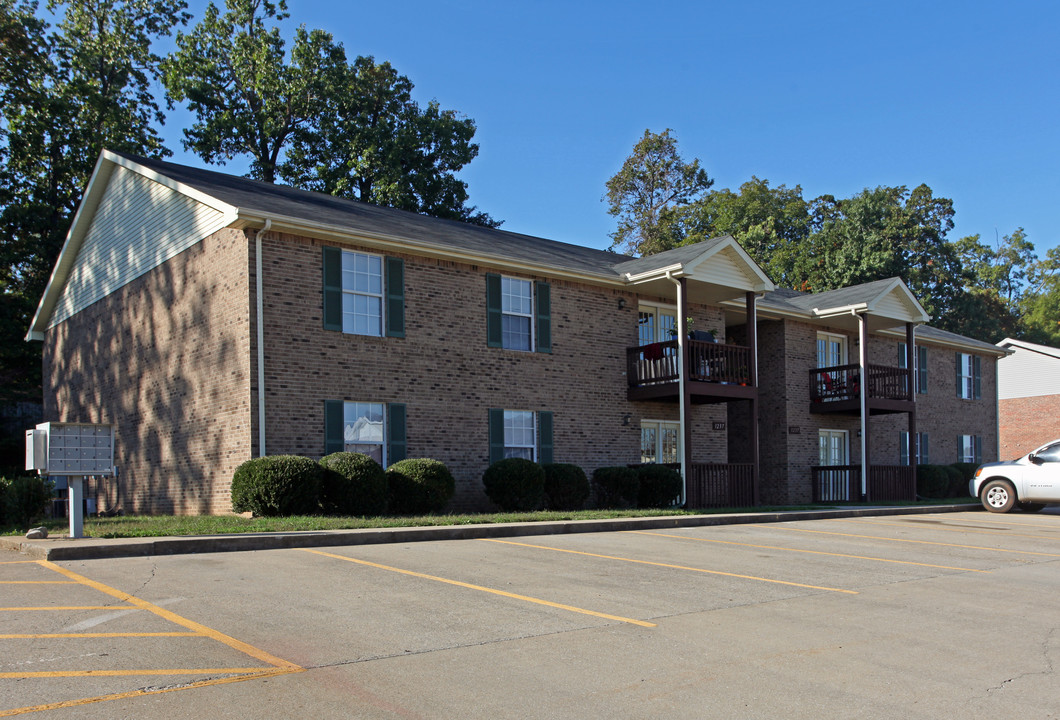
{"x": 966, "y": 371}
{"x": 351, "y": 292}
{"x": 514, "y": 426}
{"x": 827, "y": 339}
{"x": 508, "y": 311}
{"x": 922, "y": 441}
{"x": 827, "y": 435}
{"x": 659, "y": 334}
{"x": 352, "y": 412}
{"x": 658, "y": 453}
{"x": 966, "y": 448}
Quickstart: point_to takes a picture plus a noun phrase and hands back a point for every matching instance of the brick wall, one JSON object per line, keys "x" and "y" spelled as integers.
{"x": 448, "y": 378}
{"x": 1028, "y": 423}
{"x": 167, "y": 360}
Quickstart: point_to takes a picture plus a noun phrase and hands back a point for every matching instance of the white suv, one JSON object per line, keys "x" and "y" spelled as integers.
{"x": 1031, "y": 482}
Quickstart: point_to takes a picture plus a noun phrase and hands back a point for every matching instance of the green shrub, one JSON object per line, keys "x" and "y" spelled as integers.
{"x": 566, "y": 486}
{"x": 959, "y": 486}
{"x": 353, "y": 484}
{"x": 24, "y": 500}
{"x": 660, "y": 486}
{"x": 515, "y": 484}
{"x": 277, "y": 485}
{"x": 419, "y": 486}
{"x": 616, "y": 487}
{"x": 936, "y": 481}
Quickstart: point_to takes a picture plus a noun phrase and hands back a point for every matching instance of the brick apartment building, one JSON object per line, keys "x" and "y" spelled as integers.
{"x": 213, "y": 319}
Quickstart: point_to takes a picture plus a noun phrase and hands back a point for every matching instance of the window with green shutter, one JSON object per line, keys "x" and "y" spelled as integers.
{"x": 520, "y": 434}
{"x": 364, "y": 294}
{"x": 518, "y": 314}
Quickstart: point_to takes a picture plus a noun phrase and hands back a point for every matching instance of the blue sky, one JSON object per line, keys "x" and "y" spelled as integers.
{"x": 831, "y": 96}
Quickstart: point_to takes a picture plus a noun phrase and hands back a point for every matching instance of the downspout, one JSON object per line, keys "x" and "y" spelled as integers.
{"x": 681, "y": 380}
{"x": 260, "y": 335}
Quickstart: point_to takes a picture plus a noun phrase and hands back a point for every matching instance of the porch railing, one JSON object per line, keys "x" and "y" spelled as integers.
{"x": 718, "y": 485}
{"x": 707, "y": 362}
{"x": 843, "y": 382}
{"x": 842, "y": 483}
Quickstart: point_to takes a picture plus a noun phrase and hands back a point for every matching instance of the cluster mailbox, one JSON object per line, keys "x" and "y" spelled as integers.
{"x": 80, "y": 449}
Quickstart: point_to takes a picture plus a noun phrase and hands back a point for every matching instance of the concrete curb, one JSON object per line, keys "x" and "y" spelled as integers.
{"x": 96, "y": 549}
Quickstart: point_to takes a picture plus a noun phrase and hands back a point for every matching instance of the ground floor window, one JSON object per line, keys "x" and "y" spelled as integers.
{"x": 833, "y": 447}
{"x": 969, "y": 448}
{"x": 363, "y": 429}
{"x": 921, "y": 450}
{"x": 520, "y": 435}
{"x": 660, "y": 442}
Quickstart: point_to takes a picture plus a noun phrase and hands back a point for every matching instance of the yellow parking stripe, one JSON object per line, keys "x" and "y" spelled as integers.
{"x": 37, "y": 582}
{"x": 906, "y": 540}
{"x": 74, "y": 636}
{"x": 141, "y": 693}
{"x": 480, "y": 588}
{"x": 231, "y": 642}
{"x": 800, "y": 550}
{"x": 66, "y": 607}
{"x": 948, "y": 529}
{"x": 132, "y": 673}
{"x": 674, "y": 567}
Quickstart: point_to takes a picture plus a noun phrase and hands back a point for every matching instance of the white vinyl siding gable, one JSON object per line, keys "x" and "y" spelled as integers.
{"x": 138, "y": 225}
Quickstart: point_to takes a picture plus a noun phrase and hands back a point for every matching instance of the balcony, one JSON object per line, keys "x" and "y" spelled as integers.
{"x": 716, "y": 372}
{"x": 838, "y": 390}
{"x": 842, "y": 483}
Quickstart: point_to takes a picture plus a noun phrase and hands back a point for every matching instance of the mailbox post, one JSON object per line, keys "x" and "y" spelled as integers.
{"x": 73, "y": 450}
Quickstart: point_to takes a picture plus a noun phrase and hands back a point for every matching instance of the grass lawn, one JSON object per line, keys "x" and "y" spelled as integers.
{"x": 127, "y": 526}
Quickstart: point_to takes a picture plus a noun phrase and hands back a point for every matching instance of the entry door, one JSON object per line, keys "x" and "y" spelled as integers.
{"x": 656, "y": 324}
{"x": 831, "y": 350}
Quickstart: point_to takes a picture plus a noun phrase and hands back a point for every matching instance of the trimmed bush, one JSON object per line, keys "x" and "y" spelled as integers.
{"x": 353, "y": 484}
{"x": 419, "y": 486}
{"x": 660, "y": 486}
{"x": 277, "y": 485}
{"x": 938, "y": 481}
{"x": 24, "y": 500}
{"x": 515, "y": 484}
{"x": 616, "y": 487}
{"x": 566, "y": 486}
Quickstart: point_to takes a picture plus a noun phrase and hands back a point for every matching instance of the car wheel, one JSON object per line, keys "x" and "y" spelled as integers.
{"x": 1031, "y": 507}
{"x": 998, "y": 496}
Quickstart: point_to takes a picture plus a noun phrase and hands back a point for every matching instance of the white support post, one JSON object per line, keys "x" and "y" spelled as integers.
{"x": 863, "y": 362}
{"x": 76, "y": 497}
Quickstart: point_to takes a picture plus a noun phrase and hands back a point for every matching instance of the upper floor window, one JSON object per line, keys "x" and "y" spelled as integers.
{"x": 656, "y": 324}
{"x": 969, "y": 376}
{"x": 920, "y": 366}
{"x": 364, "y": 294}
{"x": 831, "y": 350}
{"x": 518, "y": 314}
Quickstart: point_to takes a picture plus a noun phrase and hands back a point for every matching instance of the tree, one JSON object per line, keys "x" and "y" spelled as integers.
{"x": 233, "y": 72}
{"x": 766, "y": 221}
{"x": 647, "y": 194}
{"x": 67, "y": 94}
{"x": 1040, "y": 303}
{"x": 372, "y": 142}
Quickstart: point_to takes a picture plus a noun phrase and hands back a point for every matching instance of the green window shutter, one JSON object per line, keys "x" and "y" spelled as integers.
{"x": 544, "y": 440}
{"x": 493, "y": 311}
{"x": 921, "y": 370}
{"x": 978, "y": 445}
{"x": 903, "y": 448}
{"x": 334, "y": 430}
{"x": 496, "y": 420}
{"x": 543, "y": 312}
{"x": 925, "y": 450}
{"x": 332, "y": 289}
{"x": 977, "y": 376}
{"x": 395, "y": 297}
{"x": 396, "y": 433}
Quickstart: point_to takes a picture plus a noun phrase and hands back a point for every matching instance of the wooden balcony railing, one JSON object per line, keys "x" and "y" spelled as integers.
{"x": 842, "y": 483}
{"x": 718, "y": 485}
{"x": 708, "y": 362}
{"x": 843, "y": 382}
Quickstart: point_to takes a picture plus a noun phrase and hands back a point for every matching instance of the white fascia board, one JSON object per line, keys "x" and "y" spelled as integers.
{"x": 675, "y": 270}
{"x": 761, "y": 282}
{"x": 166, "y": 181}
{"x": 858, "y": 308}
{"x": 383, "y": 241}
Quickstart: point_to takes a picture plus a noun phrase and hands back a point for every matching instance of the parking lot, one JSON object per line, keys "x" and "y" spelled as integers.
{"x": 914, "y": 616}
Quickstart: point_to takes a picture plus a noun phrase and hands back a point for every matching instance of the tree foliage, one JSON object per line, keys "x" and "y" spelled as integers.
{"x": 648, "y": 191}
{"x": 371, "y": 141}
{"x": 67, "y": 93}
